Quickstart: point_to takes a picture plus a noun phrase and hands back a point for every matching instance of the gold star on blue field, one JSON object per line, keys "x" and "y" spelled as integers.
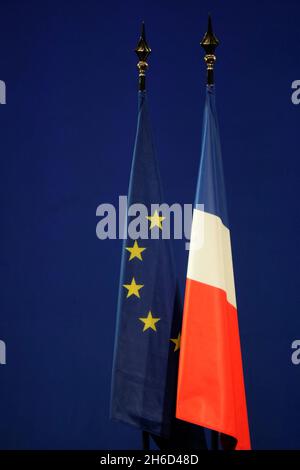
{"x": 176, "y": 341}
{"x": 133, "y": 288}
{"x": 155, "y": 220}
{"x": 135, "y": 251}
{"x": 149, "y": 322}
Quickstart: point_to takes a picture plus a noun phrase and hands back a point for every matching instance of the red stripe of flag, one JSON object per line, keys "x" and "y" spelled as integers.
{"x": 210, "y": 383}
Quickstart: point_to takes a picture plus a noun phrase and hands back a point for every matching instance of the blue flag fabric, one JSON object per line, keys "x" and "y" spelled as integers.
{"x": 147, "y": 342}
{"x": 211, "y": 185}
{"x": 145, "y": 361}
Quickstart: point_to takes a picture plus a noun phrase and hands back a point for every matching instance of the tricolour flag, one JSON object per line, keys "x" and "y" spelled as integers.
{"x": 147, "y": 343}
{"x": 210, "y": 384}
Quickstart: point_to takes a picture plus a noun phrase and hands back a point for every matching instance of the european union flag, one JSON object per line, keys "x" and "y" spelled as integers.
{"x": 147, "y": 342}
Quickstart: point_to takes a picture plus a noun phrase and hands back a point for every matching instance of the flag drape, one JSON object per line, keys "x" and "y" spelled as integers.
{"x": 211, "y": 388}
{"x": 147, "y": 342}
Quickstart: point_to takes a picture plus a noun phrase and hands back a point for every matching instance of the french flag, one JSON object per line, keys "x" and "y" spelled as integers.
{"x": 211, "y": 390}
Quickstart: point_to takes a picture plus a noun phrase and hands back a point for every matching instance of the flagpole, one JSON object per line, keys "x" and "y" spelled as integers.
{"x": 146, "y": 440}
{"x": 214, "y": 440}
{"x": 142, "y": 50}
{"x": 209, "y": 43}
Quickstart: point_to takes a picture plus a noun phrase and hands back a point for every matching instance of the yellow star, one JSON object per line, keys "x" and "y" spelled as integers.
{"x": 135, "y": 251}
{"x": 176, "y": 341}
{"x": 156, "y": 220}
{"x": 149, "y": 322}
{"x": 133, "y": 288}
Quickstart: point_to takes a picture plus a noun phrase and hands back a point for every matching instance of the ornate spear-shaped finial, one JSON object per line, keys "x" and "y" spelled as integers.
{"x": 142, "y": 50}
{"x": 209, "y": 44}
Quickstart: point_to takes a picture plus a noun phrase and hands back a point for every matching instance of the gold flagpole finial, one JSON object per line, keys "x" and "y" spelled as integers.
{"x": 142, "y": 50}
{"x": 209, "y": 44}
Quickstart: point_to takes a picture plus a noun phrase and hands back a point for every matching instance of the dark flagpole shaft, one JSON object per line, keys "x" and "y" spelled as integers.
{"x": 209, "y": 43}
{"x": 146, "y": 440}
{"x": 214, "y": 440}
{"x": 142, "y": 50}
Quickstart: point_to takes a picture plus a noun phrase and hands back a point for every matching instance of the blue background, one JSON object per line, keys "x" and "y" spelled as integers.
{"x": 67, "y": 134}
